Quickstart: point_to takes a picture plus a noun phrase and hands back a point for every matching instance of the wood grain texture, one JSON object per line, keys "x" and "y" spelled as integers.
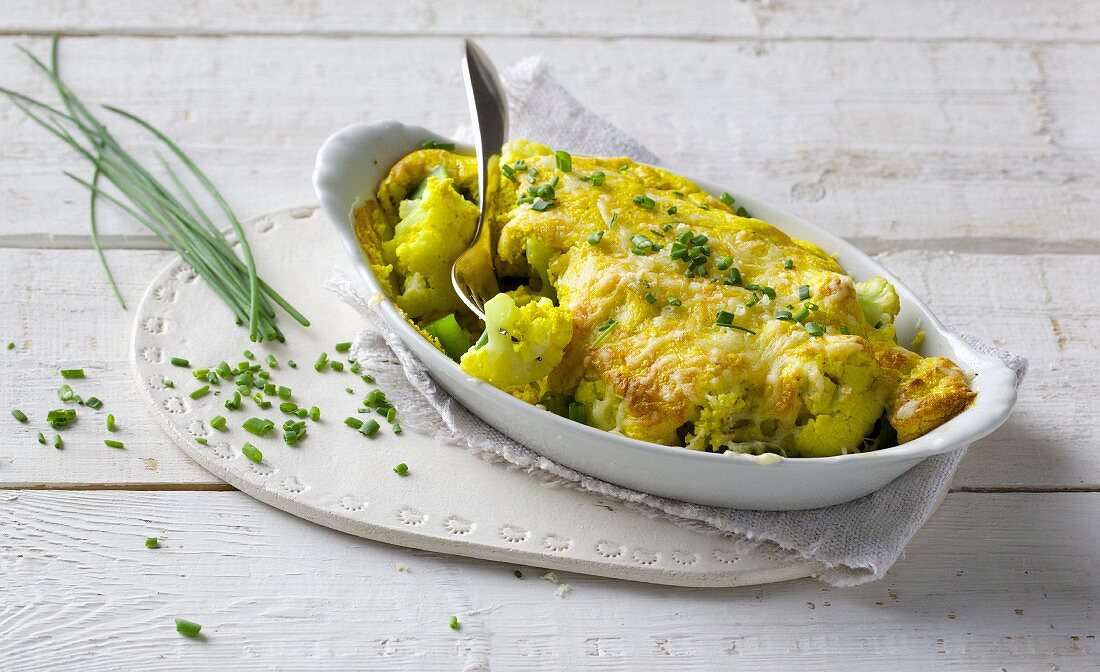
{"x": 993, "y": 581}
{"x": 694, "y": 19}
{"x": 60, "y": 313}
{"x": 897, "y": 142}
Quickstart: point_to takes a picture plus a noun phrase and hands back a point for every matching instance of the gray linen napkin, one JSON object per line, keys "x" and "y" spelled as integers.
{"x": 855, "y": 542}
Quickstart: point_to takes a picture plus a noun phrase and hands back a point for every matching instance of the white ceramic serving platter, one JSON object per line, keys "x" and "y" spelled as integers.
{"x": 451, "y": 501}
{"x": 353, "y": 162}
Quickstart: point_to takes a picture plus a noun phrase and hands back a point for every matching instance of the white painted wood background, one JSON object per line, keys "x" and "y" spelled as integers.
{"x": 958, "y": 142}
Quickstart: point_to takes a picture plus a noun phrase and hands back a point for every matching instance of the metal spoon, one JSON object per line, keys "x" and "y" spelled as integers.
{"x": 473, "y": 275}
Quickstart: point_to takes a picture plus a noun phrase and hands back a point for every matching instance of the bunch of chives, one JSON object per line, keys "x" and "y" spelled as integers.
{"x": 179, "y": 221}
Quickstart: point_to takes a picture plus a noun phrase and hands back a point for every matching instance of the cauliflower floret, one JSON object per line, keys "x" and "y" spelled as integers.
{"x": 878, "y": 300}
{"x": 522, "y": 344}
{"x": 436, "y": 224}
{"x": 843, "y": 400}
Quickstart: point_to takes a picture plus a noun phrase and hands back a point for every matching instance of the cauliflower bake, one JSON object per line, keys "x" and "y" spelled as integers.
{"x": 637, "y": 303}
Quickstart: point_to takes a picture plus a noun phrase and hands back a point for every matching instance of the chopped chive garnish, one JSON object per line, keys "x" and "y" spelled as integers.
{"x": 401, "y": 469}
{"x": 201, "y": 440}
{"x": 234, "y": 403}
{"x": 723, "y": 263}
{"x": 454, "y": 623}
{"x": 673, "y": 301}
{"x": 283, "y": 392}
{"x": 846, "y": 331}
{"x": 152, "y": 542}
{"x": 353, "y": 422}
{"x": 93, "y": 402}
{"x": 784, "y": 315}
{"x": 726, "y": 198}
{"x": 61, "y": 418}
{"x": 272, "y": 362}
{"x": 396, "y": 427}
{"x": 391, "y": 414}
{"x": 803, "y": 292}
{"x": 301, "y": 413}
{"x": 742, "y": 212}
{"x": 180, "y": 361}
{"x": 258, "y": 426}
{"x": 878, "y": 325}
{"x": 595, "y": 237}
{"x": 539, "y": 204}
{"x": 169, "y": 384}
{"x": 672, "y": 211}
{"x": 187, "y": 628}
{"x": 644, "y": 201}
{"x": 336, "y": 366}
{"x": 11, "y": 345}
{"x": 578, "y": 412}
{"x": 596, "y": 178}
{"x": 314, "y": 413}
{"x": 218, "y": 422}
{"x": 518, "y": 574}
{"x": 433, "y": 144}
{"x": 650, "y": 298}
{"x": 815, "y": 328}
{"x": 65, "y": 393}
{"x": 322, "y": 361}
{"x": 733, "y": 277}
{"x": 370, "y": 428}
{"x": 375, "y": 398}
{"x": 72, "y": 373}
{"x": 200, "y": 392}
{"x": 57, "y": 442}
{"x": 724, "y": 318}
{"x": 801, "y": 315}
{"x": 604, "y": 329}
{"x": 252, "y": 452}
{"x": 248, "y": 354}
{"x": 343, "y": 347}
{"x": 111, "y": 443}
{"x": 269, "y": 388}
{"x": 19, "y": 415}
{"x": 292, "y": 364}
{"x": 41, "y": 438}
{"x": 288, "y": 407}
{"x": 564, "y": 161}
{"x": 788, "y": 263}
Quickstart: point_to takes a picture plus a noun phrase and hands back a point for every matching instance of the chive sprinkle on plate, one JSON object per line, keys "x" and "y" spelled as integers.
{"x": 187, "y": 628}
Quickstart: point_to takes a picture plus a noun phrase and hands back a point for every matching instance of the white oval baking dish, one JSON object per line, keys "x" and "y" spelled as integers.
{"x": 353, "y": 162}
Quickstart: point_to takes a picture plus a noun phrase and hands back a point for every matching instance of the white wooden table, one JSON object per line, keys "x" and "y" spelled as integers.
{"x": 959, "y": 143}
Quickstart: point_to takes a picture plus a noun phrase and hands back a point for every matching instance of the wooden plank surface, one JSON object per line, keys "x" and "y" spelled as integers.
{"x": 993, "y": 581}
{"x": 968, "y": 146}
{"x": 60, "y": 313}
{"x": 693, "y": 19}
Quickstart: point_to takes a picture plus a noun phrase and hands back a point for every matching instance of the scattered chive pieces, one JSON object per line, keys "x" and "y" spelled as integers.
{"x": 65, "y": 393}
{"x": 72, "y": 373}
{"x": 367, "y": 378}
{"x": 518, "y": 574}
{"x": 644, "y": 201}
{"x": 742, "y": 212}
{"x": 272, "y": 362}
{"x": 604, "y": 329}
{"x": 353, "y": 422}
{"x": 111, "y": 443}
{"x": 200, "y": 392}
{"x": 187, "y": 628}
{"x": 201, "y": 440}
{"x": 57, "y": 442}
{"x": 396, "y": 427}
{"x": 218, "y": 422}
{"x": 563, "y": 160}
{"x": 596, "y": 178}
{"x": 248, "y": 354}
{"x": 322, "y": 360}
{"x": 595, "y": 237}
{"x": 258, "y": 426}
{"x": 61, "y": 418}
{"x": 169, "y": 384}
{"x": 803, "y": 292}
{"x": 252, "y": 452}
{"x": 11, "y": 345}
{"x": 650, "y": 298}
{"x": 671, "y": 211}
{"x": 802, "y": 314}
{"x": 288, "y": 407}
{"x": 343, "y": 347}
{"x": 41, "y": 438}
{"x": 314, "y": 413}
{"x": 391, "y": 414}
{"x": 375, "y": 398}
{"x": 846, "y": 331}
{"x": 94, "y": 402}
{"x": 180, "y": 361}
{"x": 337, "y": 366}
{"x": 578, "y": 412}
{"x": 19, "y": 415}
{"x": 349, "y": 390}
{"x": 282, "y": 392}
{"x": 234, "y": 403}
{"x": 673, "y": 301}
{"x": 723, "y": 263}
{"x": 815, "y": 328}
{"x": 152, "y": 542}
{"x": 726, "y": 198}
{"x": 788, "y": 263}
{"x": 370, "y": 428}
{"x": 401, "y": 469}
{"x": 292, "y": 364}
{"x": 433, "y": 144}
{"x": 269, "y": 388}
{"x": 454, "y": 623}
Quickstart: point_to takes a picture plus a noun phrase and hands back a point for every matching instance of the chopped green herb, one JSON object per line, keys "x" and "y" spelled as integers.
{"x": 370, "y": 428}
{"x": 518, "y": 574}
{"x": 454, "y": 623}
{"x": 578, "y": 412}
{"x": 252, "y": 452}
{"x": 169, "y": 384}
{"x": 72, "y": 373}
{"x": 65, "y": 393}
{"x": 846, "y": 331}
{"x": 596, "y": 178}
{"x": 375, "y": 398}
{"x": 644, "y": 201}
{"x": 803, "y": 292}
{"x": 41, "y": 438}
{"x": 111, "y": 443}
{"x": 595, "y": 237}
{"x": 302, "y": 413}
{"x": 724, "y": 318}
{"x": 19, "y": 415}
{"x": 200, "y": 392}
{"x": 343, "y": 347}
{"x": 878, "y": 325}
{"x": 94, "y": 402}
{"x": 396, "y": 427}
{"x": 603, "y": 330}
{"x": 61, "y": 418}
{"x": 564, "y": 161}
{"x": 292, "y": 364}
{"x": 288, "y": 407}
{"x": 723, "y": 263}
{"x": 672, "y": 211}
{"x": 726, "y": 198}
{"x": 187, "y": 628}
{"x": 218, "y": 422}
{"x": 815, "y": 328}
{"x": 258, "y": 426}
{"x": 540, "y": 204}
{"x": 314, "y": 413}
{"x": 733, "y": 277}
{"x": 272, "y": 362}
{"x": 234, "y": 403}
{"x": 201, "y": 440}
{"x": 801, "y": 315}
{"x": 788, "y": 263}
{"x": 11, "y": 345}
{"x": 180, "y": 361}
{"x": 57, "y": 442}
{"x": 336, "y": 366}
{"x": 650, "y": 298}
{"x": 741, "y": 212}
{"x": 353, "y": 422}
{"x": 391, "y": 414}
{"x": 673, "y": 301}
{"x": 248, "y": 354}
{"x": 784, "y": 315}
{"x": 152, "y": 542}
{"x": 435, "y": 144}
{"x": 401, "y": 469}
{"x": 322, "y": 361}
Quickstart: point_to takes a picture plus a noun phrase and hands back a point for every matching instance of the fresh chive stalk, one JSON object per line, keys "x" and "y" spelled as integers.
{"x": 187, "y": 628}
{"x": 111, "y": 443}
{"x": 343, "y": 347}
{"x": 19, "y": 415}
{"x": 252, "y": 452}
{"x": 72, "y": 373}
